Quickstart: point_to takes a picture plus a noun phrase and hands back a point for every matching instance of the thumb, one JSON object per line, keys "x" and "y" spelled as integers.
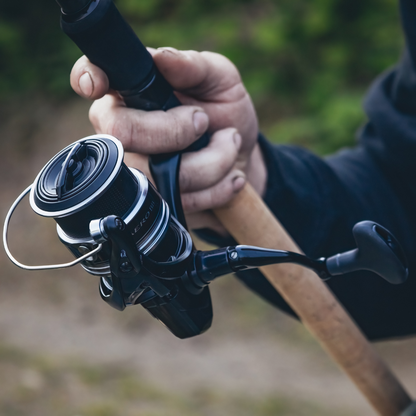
{"x": 88, "y": 80}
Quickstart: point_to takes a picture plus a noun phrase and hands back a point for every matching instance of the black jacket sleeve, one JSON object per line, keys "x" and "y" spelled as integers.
{"x": 319, "y": 200}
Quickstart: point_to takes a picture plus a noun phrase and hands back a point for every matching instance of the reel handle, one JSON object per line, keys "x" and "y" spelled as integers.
{"x": 377, "y": 251}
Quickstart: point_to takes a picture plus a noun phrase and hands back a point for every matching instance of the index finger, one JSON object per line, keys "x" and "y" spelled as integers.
{"x": 148, "y": 132}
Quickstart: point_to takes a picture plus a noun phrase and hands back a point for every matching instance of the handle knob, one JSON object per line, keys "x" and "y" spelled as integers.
{"x": 377, "y": 251}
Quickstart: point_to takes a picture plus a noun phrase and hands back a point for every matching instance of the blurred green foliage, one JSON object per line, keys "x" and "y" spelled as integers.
{"x": 305, "y": 63}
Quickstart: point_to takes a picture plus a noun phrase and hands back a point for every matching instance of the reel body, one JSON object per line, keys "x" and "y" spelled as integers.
{"x": 88, "y": 181}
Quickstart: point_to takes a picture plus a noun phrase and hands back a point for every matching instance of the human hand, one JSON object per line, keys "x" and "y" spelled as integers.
{"x": 214, "y": 98}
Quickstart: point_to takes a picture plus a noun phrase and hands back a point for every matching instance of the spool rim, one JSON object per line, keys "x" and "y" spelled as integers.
{"x": 94, "y": 196}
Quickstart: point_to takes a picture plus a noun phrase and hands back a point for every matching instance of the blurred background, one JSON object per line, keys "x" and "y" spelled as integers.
{"x": 63, "y": 351}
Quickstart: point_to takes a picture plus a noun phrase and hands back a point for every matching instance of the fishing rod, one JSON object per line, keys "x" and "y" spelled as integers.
{"x": 120, "y": 228}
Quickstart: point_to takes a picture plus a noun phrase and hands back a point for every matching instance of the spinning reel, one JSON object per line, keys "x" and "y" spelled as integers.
{"x": 119, "y": 228}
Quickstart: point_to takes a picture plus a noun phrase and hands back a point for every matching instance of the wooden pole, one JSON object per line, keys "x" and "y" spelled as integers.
{"x": 249, "y": 221}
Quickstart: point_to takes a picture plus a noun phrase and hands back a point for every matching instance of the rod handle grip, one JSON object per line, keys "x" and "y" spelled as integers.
{"x": 249, "y": 221}
{"x": 110, "y": 43}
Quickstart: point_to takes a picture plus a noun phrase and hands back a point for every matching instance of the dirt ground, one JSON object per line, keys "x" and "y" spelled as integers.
{"x": 65, "y": 352}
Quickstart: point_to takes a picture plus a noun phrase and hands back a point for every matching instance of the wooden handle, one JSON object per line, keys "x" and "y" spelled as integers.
{"x": 249, "y": 221}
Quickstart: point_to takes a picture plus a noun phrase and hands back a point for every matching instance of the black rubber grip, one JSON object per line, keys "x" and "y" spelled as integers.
{"x": 110, "y": 43}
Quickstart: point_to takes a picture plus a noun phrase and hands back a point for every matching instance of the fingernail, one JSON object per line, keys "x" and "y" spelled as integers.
{"x": 237, "y": 139}
{"x": 85, "y": 84}
{"x": 200, "y": 120}
{"x": 238, "y": 183}
{"x": 168, "y": 49}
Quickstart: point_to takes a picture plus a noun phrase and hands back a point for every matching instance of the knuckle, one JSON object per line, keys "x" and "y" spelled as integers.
{"x": 190, "y": 202}
{"x": 115, "y": 127}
